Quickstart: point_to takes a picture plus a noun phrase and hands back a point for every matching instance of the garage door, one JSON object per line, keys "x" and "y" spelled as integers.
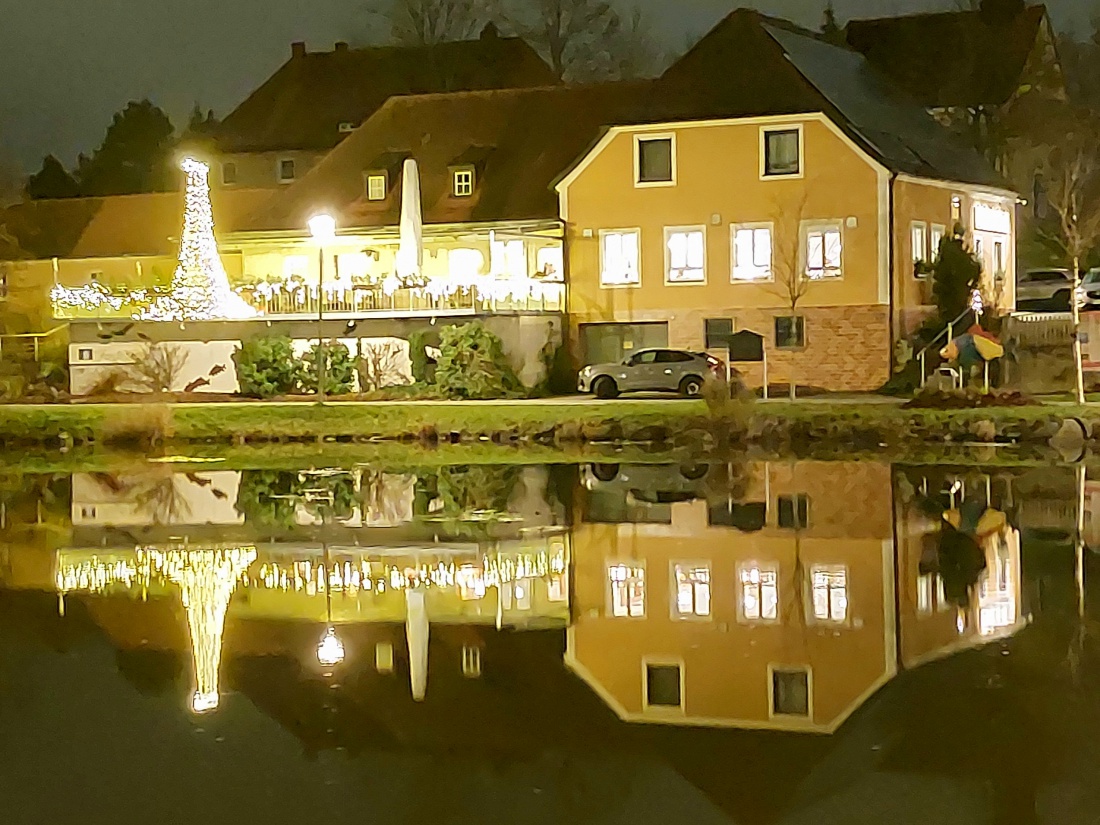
{"x": 605, "y": 343}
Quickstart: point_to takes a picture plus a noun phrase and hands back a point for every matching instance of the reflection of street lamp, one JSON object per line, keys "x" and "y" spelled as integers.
{"x": 323, "y": 229}
{"x": 330, "y": 651}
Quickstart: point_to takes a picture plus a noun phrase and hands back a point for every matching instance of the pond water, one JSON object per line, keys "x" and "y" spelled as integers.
{"x": 758, "y": 642}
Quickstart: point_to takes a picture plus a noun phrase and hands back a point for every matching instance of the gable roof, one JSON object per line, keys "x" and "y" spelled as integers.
{"x": 44, "y": 228}
{"x": 961, "y": 58}
{"x": 302, "y": 105}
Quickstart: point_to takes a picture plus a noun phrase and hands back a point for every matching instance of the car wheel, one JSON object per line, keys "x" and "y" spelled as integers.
{"x": 605, "y": 387}
{"x": 692, "y": 386}
{"x": 694, "y": 472}
{"x": 605, "y": 472}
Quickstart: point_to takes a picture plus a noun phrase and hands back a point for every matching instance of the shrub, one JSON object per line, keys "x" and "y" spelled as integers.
{"x": 137, "y": 425}
{"x": 418, "y": 356}
{"x": 339, "y": 369}
{"x": 381, "y": 365}
{"x": 267, "y": 366}
{"x": 954, "y": 277}
{"x": 269, "y": 498}
{"x": 157, "y": 367}
{"x": 472, "y": 364}
{"x": 937, "y": 399}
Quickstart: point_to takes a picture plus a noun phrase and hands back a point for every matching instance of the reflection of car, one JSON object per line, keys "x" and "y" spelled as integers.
{"x": 652, "y": 370}
{"x": 646, "y": 480}
{"x": 1090, "y": 289}
{"x": 1044, "y": 289}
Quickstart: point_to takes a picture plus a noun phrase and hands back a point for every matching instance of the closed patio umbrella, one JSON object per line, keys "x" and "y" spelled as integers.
{"x": 410, "y": 252}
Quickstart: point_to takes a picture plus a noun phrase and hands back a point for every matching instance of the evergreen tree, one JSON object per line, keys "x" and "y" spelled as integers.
{"x": 52, "y": 181}
{"x": 954, "y": 278}
{"x": 135, "y": 155}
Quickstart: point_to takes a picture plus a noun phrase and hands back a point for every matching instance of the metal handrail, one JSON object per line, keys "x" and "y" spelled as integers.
{"x": 948, "y": 332}
{"x": 36, "y": 337}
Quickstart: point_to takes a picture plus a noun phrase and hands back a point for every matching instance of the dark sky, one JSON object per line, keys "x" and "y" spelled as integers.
{"x": 67, "y": 65}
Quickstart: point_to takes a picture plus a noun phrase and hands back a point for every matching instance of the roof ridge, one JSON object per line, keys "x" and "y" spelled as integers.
{"x": 415, "y": 47}
{"x": 941, "y": 13}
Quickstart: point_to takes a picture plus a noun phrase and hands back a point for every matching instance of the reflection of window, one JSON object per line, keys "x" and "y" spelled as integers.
{"x": 794, "y": 512}
{"x": 790, "y": 692}
{"x": 781, "y": 152}
{"x": 619, "y": 257}
{"x": 470, "y": 582}
{"x": 823, "y": 248}
{"x": 926, "y": 588}
{"x": 462, "y": 183}
{"x": 662, "y": 686}
{"x": 692, "y": 589}
{"x": 549, "y": 263}
{"x": 938, "y": 232}
{"x": 555, "y": 588}
{"x": 471, "y": 661}
{"x": 790, "y": 331}
{"x": 465, "y": 263}
{"x": 917, "y": 242}
{"x": 685, "y": 255}
{"x": 759, "y": 593}
{"x": 956, "y": 208}
{"x": 829, "y": 586}
{"x": 508, "y": 258}
{"x": 376, "y": 187}
{"x": 627, "y": 590}
{"x": 752, "y": 252}
{"x": 516, "y": 594}
{"x": 748, "y": 517}
{"x": 654, "y": 160}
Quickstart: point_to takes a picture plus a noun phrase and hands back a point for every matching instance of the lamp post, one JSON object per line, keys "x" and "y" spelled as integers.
{"x": 323, "y": 229}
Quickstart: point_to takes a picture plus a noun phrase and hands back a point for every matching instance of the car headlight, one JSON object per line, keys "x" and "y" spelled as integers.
{"x": 586, "y": 371}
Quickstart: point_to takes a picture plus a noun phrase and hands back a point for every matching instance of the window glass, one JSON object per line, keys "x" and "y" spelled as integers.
{"x": 686, "y": 255}
{"x": 938, "y": 232}
{"x": 692, "y": 583}
{"x": 508, "y": 257}
{"x": 791, "y": 692}
{"x": 752, "y": 253}
{"x": 781, "y": 152}
{"x": 549, "y": 263}
{"x": 654, "y": 160}
{"x": 790, "y": 331}
{"x": 823, "y": 250}
{"x": 465, "y": 263}
{"x": 619, "y": 258}
{"x": 376, "y": 187}
{"x": 917, "y": 242}
{"x": 463, "y": 183}
{"x": 717, "y": 331}
{"x": 286, "y": 169}
{"x": 627, "y": 590}
{"x": 662, "y": 685}
{"x": 829, "y": 585}
{"x": 759, "y": 593}
{"x": 644, "y": 358}
{"x": 668, "y": 356}
{"x": 354, "y": 264}
{"x": 794, "y": 512}
{"x": 295, "y": 266}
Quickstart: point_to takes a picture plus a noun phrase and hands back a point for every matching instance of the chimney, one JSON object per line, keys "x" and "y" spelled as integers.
{"x": 341, "y": 47}
{"x": 298, "y": 49}
{"x": 490, "y": 32}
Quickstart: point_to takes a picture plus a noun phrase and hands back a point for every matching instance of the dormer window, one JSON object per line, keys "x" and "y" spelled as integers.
{"x": 346, "y": 126}
{"x": 462, "y": 183}
{"x": 377, "y": 186}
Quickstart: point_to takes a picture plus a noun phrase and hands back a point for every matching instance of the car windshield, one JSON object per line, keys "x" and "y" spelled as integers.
{"x": 1092, "y": 277}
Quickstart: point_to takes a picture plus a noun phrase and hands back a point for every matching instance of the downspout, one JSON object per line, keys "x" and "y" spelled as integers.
{"x": 892, "y": 274}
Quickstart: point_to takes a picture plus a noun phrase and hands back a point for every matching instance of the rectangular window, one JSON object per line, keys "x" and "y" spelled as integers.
{"x": 938, "y": 232}
{"x": 84, "y": 354}
{"x": 516, "y": 595}
{"x": 822, "y": 248}
{"x": 229, "y": 173}
{"x": 471, "y": 661}
{"x": 376, "y": 187}
{"x": 470, "y": 583}
{"x": 662, "y": 686}
{"x": 998, "y": 258}
{"x": 685, "y": 255}
{"x": 508, "y": 258}
{"x": 956, "y": 208}
{"x": 829, "y": 589}
{"x": 462, "y": 183}
{"x": 286, "y": 170}
{"x": 790, "y": 692}
{"x": 619, "y": 257}
{"x": 782, "y": 152}
{"x": 718, "y": 332}
{"x": 691, "y": 585}
{"x": 654, "y": 162}
{"x": 759, "y": 600}
{"x": 917, "y": 245}
{"x": 751, "y": 252}
{"x": 794, "y": 512}
{"x": 790, "y": 332}
{"x": 627, "y": 590}
{"x": 555, "y": 588}
{"x": 926, "y": 589}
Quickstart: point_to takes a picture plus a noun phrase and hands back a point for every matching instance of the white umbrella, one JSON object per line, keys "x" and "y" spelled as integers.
{"x": 416, "y": 633}
{"x": 410, "y": 254}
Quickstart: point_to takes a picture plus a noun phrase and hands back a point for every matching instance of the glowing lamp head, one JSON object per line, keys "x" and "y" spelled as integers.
{"x": 194, "y": 167}
{"x": 330, "y": 651}
{"x": 322, "y": 227}
{"x": 204, "y": 702}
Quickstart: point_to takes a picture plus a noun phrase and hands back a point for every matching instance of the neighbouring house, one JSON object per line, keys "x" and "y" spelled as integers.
{"x": 316, "y": 99}
{"x": 811, "y": 178}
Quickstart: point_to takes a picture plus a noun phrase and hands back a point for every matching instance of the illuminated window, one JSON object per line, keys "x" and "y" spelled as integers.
{"x": 752, "y": 252}
{"x": 470, "y": 582}
{"x": 549, "y": 263}
{"x": 998, "y": 258}
{"x": 471, "y": 661}
{"x": 829, "y": 587}
{"x": 654, "y": 160}
{"x": 508, "y": 257}
{"x": 790, "y": 692}
{"x": 823, "y": 250}
{"x": 926, "y": 593}
{"x": 286, "y": 170}
{"x": 782, "y": 152}
{"x": 691, "y": 586}
{"x": 354, "y": 264}
{"x": 555, "y": 588}
{"x": 685, "y": 255}
{"x": 465, "y": 263}
{"x": 759, "y": 593}
{"x": 229, "y": 173}
{"x": 376, "y": 187}
{"x": 956, "y": 208}
{"x": 462, "y": 183}
{"x": 627, "y": 590}
{"x": 938, "y": 232}
{"x": 917, "y": 245}
{"x": 619, "y": 257}
{"x": 794, "y": 512}
{"x": 516, "y": 595}
{"x": 663, "y": 686}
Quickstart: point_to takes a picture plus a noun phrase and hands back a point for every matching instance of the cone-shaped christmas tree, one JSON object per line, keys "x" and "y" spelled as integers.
{"x": 200, "y": 288}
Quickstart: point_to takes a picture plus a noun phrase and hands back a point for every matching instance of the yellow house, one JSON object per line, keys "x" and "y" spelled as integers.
{"x": 801, "y": 215}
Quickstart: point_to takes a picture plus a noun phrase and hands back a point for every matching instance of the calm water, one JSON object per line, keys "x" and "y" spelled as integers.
{"x": 757, "y": 642}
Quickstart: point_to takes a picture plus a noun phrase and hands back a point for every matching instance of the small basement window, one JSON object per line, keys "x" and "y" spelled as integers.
{"x": 790, "y": 692}
{"x": 84, "y": 354}
{"x": 790, "y": 332}
{"x": 662, "y": 686}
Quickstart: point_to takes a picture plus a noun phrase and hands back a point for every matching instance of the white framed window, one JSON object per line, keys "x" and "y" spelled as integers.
{"x": 465, "y": 263}
{"x": 376, "y": 187}
{"x": 685, "y": 255}
{"x": 918, "y": 246}
{"x": 229, "y": 173}
{"x": 829, "y": 593}
{"x": 550, "y": 263}
{"x": 555, "y": 588}
{"x": 690, "y": 590}
{"x": 758, "y": 592}
{"x": 662, "y": 684}
{"x": 619, "y": 257}
{"x": 462, "y": 183}
{"x": 516, "y": 595}
{"x": 285, "y": 170}
{"x": 823, "y": 249}
{"x": 751, "y": 251}
{"x": 781, "y": 153}
{"x": 626, "y": 590}
{"x": 936, "y": 235}
{"x": 84, "y": 354}
{"x": 790, "y": 691}
{"x": 654, "y": 160}
{"x": 508, "y": 257}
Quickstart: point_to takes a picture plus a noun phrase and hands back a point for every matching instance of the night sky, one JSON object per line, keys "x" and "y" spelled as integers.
{"x": 67, "y": 65}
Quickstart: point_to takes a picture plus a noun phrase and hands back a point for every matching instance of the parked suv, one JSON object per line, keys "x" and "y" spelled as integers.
{"x": 651, "y": 370}
{"x": 1089, "y": 294}
{"x": 1044, "y": 290}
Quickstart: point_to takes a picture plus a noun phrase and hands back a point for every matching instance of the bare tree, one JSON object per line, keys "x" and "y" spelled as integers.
{"x": 576, "y": 36}
{"x": 789, "y": 269}
{"x": 381, "y": 365}
{"x": 428, "y": 22}
{"x": 634, "y": 50}
{"x": 157, "y": 367}
{"x": 1071, "y": 178}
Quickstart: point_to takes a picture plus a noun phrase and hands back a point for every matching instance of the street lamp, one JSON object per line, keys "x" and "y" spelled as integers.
{"x": 323, "y": 229}
{"x": 330, "y": 652}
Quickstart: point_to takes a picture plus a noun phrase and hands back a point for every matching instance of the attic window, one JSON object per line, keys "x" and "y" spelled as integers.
{"x": 462, "y": 183}
{"x": 376, "y": 186}
{"x": 346, "y": 126}
{"x": 286, "y": 170}
{"x": 782, "y": 152}
{"x": 654, "y": 161}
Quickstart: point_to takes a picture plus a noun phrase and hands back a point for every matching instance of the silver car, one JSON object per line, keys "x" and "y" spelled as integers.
{"x": 1044, "y": 289}
{"x": 651, "y": 370}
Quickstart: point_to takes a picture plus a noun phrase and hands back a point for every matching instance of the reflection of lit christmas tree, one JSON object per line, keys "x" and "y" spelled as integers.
{"x": 200, "y": 287}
